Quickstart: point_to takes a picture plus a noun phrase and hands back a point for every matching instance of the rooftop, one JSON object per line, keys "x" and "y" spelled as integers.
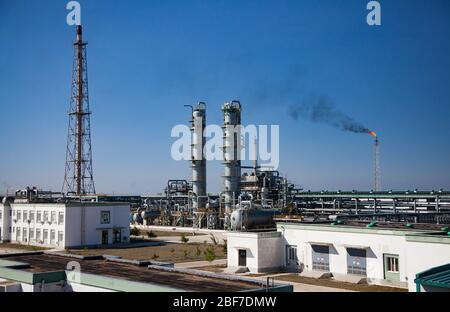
{"x": 45, "y": 263}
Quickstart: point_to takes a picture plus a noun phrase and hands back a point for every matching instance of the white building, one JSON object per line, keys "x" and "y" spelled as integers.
{"x": 64, "y": 225}
{"x": 384, "y": 256}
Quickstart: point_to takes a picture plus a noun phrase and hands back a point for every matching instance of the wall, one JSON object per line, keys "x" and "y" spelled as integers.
{"x": 5, "y": 222}
{"x": 423, "y": 256}
{"x": 34, "y": 224}
{"x": 73, "y": 223}
{"x": 380, "y": 242}
{"x": 263, "y": 250}
{"x": 417, "y": 251}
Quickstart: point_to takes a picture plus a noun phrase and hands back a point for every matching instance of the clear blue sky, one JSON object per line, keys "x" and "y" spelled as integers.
{"x": 149, "y": 58}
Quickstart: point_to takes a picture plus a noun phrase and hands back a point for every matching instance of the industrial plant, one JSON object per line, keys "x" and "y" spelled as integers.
{"x": 271, "y": 225}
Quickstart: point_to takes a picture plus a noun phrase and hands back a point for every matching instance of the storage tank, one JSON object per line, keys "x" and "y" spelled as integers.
{"x": 244, "y": 219}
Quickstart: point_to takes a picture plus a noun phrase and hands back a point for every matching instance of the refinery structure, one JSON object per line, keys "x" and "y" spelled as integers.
{"x": 269, "y": 220}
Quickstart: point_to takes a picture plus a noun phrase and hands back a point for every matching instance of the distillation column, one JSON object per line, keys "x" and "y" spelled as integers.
{"x": 198, "y": 162}
{"x": 231, "y": 154}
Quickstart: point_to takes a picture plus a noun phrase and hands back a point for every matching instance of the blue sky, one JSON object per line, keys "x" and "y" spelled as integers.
{"x": 149, "y": 58}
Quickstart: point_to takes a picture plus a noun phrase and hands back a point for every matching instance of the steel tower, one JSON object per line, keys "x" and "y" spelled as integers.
{"x": 78, "y": 178}
{"x": 376, "y": 165}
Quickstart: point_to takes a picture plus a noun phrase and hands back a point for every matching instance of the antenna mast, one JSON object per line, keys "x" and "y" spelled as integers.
{"x": 78, "y": 178}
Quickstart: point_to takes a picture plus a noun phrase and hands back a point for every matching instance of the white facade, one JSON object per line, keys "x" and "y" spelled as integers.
{"x": 63, "y": 225}
{"x": 381, "y": 256}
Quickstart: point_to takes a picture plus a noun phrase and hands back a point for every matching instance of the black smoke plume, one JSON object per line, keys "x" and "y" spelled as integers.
{"x": 322, "y": 110}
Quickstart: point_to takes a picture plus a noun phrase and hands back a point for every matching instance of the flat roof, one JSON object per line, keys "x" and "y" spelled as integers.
{"x": 70, "y": 204}
{"x": 44, "y": 263}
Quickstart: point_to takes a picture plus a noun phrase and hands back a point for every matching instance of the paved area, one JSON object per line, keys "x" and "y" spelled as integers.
{"x": 198, "y": 264}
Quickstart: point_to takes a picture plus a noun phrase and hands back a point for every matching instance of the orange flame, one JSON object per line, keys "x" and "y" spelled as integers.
{"x": 373, "y": 133}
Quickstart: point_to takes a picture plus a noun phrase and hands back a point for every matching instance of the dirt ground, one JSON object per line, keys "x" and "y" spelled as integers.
{"x": 212, "y": 268}
{"x": 169, "y": 252}
{"x": 168, "y": 234}
{"x": 21, "y": 247}
{"x": 336, "y": 284}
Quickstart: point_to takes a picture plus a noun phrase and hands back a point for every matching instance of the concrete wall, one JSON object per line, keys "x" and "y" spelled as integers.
{"x": 81, "y": 223}
{"x": 33, "y": 225}
{"x": 417, "y": 251}
{"x": 263, "y": 250}
{"x": 422, "y": 256}
{"x": 378, "y": 243}
{"x": 5, "y": 221}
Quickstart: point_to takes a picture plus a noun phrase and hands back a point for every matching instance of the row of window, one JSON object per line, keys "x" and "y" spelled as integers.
{"x": 38, "y": 216}
{"x": 40, "y": 236}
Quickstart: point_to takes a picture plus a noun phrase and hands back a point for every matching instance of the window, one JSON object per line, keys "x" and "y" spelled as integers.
{"x": 53, "y": 216}
{"x": 32, "y": 216}
{"x": 19, "y": 215}
{"x": 46, "y": 216}
{"x": 392, "y": 264}
{"x": 38, "y": 216}
{"x": 0, "y": 215}
{"x": 31, "y": 234}
{"x": 25, "y": 236}
{"x": 61, "y": 218}
{"x": 25, "y": 216}
{"x": 52, "y": 237}
{"x": 45, "y": 239}
{"x": 60, "y": 237}
{"x": 105, "y": 217}
{"x": 17, "y": 234}
{"x": 38, "y": 235}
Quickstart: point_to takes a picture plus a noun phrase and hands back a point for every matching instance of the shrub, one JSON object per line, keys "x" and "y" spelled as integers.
{"x": 155, "y": 256}
{"x": 151, "y": 234}
{"x": 198, "y": 251}
{"x": 210, "y": 254}
{"x": 186, "y": 253}
{"x": 135, "y": 231}
{"x": 184, "y": 239}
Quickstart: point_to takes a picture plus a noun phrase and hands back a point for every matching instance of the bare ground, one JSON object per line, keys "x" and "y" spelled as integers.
{"x": 337, "y": 284}
{"x": 169, "y": 252}
{"x": 21, "y": 247}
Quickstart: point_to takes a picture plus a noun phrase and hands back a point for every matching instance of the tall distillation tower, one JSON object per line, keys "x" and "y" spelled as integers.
{"x": 231, "y": 153}
{"x": 198, "y": 159}
{"x": 78, "y": 178}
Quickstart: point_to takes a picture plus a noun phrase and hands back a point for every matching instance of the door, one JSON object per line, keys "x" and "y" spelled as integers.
{"x": 391, "y": 268}
{"x": 105, "y": 238}
{"x": 242, "y": 257}
{"x": 320, "y": 258}
{"x": 356, "y": 261}
{"x": 291, "y": 256}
